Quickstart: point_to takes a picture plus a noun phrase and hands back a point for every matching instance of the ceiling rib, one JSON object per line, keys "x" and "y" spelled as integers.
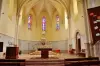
{"x": 45, "y": 5}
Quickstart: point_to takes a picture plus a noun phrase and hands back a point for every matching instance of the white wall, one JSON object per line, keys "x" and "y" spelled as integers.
{"x": 26, "y": 45}
{"x": 7, "y": 25}
{"x": 77, "y": 24}
{"x": 93, "y": 3}
{"x": 6, "y": 41}
{"x": 35, "y": 34}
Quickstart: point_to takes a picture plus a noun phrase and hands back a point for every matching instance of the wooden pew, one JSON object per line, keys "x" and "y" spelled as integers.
{"x": 81, "y": 59}
{"x": 12, "y": 62}
{"x": 85, "y": 63}
{"x": 77, "y": 60}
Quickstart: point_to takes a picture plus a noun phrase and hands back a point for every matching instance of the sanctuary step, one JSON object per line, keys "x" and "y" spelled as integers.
{"x": 45, "y": 62}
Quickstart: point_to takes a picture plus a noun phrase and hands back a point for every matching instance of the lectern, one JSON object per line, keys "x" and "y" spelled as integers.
{"x": 44, "y": 52}
{"x": 12, "y": 52}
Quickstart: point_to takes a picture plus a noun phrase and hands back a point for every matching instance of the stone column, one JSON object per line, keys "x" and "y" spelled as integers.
{"x": 16, "y": 31}
{"x": 69, "y": 36}
{"x": 18, "y": 9}
{"x": 88, "y": 32}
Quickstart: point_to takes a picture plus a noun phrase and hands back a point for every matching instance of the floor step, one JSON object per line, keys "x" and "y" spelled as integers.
{"x": 46, "y": 65}
{"x": 45, "y": 62}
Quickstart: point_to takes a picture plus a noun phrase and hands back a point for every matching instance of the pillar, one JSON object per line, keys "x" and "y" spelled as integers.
{"x": 89, "y": 47}
{"x": 16, "y": 32}
{"x": 69, "y": 36}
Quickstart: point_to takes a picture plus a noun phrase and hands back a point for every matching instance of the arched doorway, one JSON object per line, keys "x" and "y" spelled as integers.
{"x": 78, "y": 43}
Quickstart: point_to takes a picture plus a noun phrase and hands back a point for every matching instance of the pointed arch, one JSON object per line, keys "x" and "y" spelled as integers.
{"x": 11, "y": 10}
{"x": 78, "y": 42}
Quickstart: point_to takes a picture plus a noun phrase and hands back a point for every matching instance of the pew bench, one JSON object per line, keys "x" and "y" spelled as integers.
{"x": 81, "y": 59}
{"x": 12, "y": 62}
{"x": 77, "y": 60}
{"x": 84, "y": 63}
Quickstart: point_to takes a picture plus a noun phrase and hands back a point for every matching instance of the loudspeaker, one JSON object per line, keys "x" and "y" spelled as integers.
{"x": 1, "y": 46}
{"x": 12, "y": 52}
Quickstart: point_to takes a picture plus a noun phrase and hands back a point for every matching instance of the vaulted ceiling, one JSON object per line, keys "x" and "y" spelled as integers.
{"x": 50, "y": 6}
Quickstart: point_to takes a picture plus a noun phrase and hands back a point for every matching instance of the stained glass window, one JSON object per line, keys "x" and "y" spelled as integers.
{"x": 75, "y": 7}
{"x": 44, "y": 23}
{"x": 29, "y": 21}
{"x": 57, "y": 23}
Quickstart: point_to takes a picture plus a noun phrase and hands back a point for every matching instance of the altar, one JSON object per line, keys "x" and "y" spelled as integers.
{"x": 44, "y": 52}
{"x": 44, "y": 48}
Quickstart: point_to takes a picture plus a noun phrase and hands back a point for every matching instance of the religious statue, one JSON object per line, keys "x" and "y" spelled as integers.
{"x": 44, "y": 43}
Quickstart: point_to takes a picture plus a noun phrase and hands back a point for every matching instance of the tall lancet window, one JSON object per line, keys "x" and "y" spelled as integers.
{"x": 75, "y": 7}
{"x": 66, "y": 21}
{"x": 29, "y": 21}
{"x": 43, "y": 23}
{"x": 57, "y": 23}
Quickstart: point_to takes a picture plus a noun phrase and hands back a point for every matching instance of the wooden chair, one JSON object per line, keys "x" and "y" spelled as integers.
{"x": 72, "y": 51}
{"x": 57, "y": 51}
